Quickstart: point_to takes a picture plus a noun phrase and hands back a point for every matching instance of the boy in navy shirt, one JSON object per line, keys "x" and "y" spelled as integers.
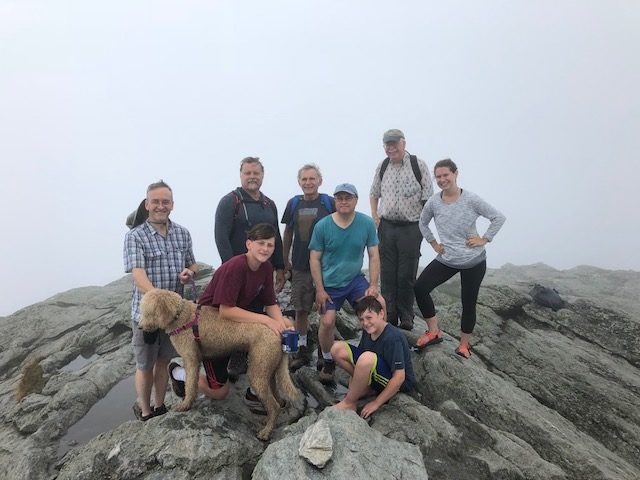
{"x": 379, "y": 365}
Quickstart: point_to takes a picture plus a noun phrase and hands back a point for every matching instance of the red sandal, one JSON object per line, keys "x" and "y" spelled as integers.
{"x": 429, "y": 338}
{"x": 464, "y": 351}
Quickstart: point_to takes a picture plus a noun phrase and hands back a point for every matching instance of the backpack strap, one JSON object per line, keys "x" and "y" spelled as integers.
{"x": 294, "y": 204}
{"x": 272, "y": 204}
{"x": 237, "y": 200}
{"x": 324, "y": 199}
{"x": 416, "y": 169}
{"x": 383, "y": 167}
{"x": 414, "y": 166}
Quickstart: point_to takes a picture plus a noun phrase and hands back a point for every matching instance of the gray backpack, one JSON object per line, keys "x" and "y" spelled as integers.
{"x": 547, "y": 297}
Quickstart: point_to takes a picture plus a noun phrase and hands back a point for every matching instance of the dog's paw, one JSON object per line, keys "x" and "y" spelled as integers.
{"x": 264, "y": 434}
{"x": 183, "y": 406}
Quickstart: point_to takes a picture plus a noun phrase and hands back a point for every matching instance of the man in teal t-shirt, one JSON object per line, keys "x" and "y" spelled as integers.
{"x": 336, "y": 255}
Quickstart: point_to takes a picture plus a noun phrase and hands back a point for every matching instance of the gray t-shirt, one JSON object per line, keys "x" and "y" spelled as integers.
{"x": 455, "y": 223}
{"x": 303, "y": 220}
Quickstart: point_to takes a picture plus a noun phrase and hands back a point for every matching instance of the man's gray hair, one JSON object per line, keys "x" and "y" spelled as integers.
{"x": 159, "y": 184}
{"x": 249, "y": 161}
{"x": 310, "y": 166}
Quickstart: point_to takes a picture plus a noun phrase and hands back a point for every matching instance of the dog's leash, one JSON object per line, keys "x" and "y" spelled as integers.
{"x": 193, "y": 323}
{"x": 194, "y": 289}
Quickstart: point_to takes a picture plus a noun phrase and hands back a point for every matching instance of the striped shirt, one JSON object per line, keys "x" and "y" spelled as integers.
{"x": 163, "y": 258}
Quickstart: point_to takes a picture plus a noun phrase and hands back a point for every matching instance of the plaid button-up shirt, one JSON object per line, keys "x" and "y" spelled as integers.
{"x": 163, "y": 258}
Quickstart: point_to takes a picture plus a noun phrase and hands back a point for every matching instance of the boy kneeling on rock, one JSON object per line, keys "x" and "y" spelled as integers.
{"x": 380, "y": 365}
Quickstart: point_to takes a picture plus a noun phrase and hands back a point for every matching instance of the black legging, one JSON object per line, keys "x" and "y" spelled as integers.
{"x": 436, "y": 274}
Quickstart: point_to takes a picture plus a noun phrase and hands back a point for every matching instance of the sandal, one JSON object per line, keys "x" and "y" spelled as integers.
{"x": 429, "y": 338}
{"x": 464, "y": 351}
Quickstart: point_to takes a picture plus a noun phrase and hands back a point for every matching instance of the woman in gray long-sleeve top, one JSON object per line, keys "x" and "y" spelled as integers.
{"x": 460, "y": 250}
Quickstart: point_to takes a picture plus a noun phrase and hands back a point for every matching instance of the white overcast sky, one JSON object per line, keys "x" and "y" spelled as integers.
{"x": 537, "y": 101}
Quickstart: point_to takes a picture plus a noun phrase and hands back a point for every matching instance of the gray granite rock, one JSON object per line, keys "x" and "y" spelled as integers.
{"x": 358, "y": 452}
{"x": 545, "y": 395}
{"x": 316, "y": 444}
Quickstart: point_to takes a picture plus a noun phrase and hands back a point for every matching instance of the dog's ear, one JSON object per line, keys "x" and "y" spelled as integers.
{"x": 166, "y": 305}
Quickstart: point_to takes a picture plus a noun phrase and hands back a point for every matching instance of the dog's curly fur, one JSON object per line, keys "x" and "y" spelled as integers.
{"x": 221, "y": 337}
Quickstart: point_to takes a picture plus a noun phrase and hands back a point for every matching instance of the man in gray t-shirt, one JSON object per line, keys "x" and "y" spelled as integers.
{"x": 300, "y": 216}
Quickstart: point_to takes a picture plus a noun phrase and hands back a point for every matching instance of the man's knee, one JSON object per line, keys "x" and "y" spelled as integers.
{"x": 366, "y": 359}
{"x": 339, "y": 350}
{"x": 328, "y": 320}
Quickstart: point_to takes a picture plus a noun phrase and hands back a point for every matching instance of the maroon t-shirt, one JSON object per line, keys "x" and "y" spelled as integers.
{"x": 234, "y": 284}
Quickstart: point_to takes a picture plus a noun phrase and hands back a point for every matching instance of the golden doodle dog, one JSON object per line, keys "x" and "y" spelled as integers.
{"x": 163, "y": 309}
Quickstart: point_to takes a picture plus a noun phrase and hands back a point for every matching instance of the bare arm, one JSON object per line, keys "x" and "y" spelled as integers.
{"x": 241, "y": 315}
{"x": 287, "y": 241}
{"x": 374, "y": 210}
{"x": 141, "y": 280}
{"x": 395, "y": 382}
{"x": 374, "y": 270}
{"x": 316, "y": 273}
{"x": 274, "y": 312}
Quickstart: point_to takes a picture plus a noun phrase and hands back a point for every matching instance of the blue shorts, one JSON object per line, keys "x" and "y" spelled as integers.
{"x": 380, "y": 373}
{"x": 352, "y": 292}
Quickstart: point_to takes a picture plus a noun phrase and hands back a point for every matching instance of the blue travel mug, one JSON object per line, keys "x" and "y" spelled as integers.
{"x": 290, "y": 341}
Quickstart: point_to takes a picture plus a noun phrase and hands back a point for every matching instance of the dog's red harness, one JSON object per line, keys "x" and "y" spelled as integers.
{"x": 193, "y": 325}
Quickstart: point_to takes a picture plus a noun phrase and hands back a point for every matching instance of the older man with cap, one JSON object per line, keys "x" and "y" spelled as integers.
{"x": 401, "y": 186}
{"x": 335, "y": 258}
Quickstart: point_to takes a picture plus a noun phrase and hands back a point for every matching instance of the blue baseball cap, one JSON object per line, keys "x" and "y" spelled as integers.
{"x": 347, "y": 188}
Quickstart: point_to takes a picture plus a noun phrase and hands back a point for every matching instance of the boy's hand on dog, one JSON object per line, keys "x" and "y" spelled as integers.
{"x": 278, "y": 325}
{"x": 288, "y": 323}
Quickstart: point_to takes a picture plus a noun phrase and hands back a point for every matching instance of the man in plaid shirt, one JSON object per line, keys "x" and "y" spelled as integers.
{"x": 159, "y": 254}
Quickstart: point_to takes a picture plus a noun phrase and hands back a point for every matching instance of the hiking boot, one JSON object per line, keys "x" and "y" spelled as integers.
{"x": 407, "y": 324}
{"x": 237, "y": 365}
{"x": 176, "y": 385}
{"x": 328, "y": 369}
{"x": 254, "y": 403}
{"x": 301, "y": 358}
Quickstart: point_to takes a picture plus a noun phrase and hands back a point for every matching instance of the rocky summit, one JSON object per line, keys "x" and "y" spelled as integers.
{"x": 545, "y": 395}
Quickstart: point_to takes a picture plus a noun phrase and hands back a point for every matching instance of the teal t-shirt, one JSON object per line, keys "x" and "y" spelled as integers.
{"x": 342, "y": 248}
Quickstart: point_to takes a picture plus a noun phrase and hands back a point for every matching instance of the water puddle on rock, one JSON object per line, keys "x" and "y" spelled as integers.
{"x": 107, "y": 413}
{"x": 80, "y": 361}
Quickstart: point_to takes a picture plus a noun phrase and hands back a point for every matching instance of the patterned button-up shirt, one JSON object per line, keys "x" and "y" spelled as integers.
{"x": 401, "y": 196}
{"x": 163, "y": 258}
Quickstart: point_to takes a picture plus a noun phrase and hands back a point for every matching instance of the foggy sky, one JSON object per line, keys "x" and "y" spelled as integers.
{"x": 537, "y": 103}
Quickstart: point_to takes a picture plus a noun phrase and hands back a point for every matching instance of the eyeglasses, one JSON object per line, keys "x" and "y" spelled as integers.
{"x": 344, "y": 198}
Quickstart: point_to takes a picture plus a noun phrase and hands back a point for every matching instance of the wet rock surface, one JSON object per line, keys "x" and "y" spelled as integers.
{"x": 545, "y": 395}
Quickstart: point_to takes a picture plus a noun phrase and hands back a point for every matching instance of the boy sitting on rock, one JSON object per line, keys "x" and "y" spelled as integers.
{"x": 380, "y": 364}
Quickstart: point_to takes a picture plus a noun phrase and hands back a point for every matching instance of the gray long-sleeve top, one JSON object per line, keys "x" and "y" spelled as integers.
{"x": 455, "y": 223}
{"x": 233, "y": 221}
